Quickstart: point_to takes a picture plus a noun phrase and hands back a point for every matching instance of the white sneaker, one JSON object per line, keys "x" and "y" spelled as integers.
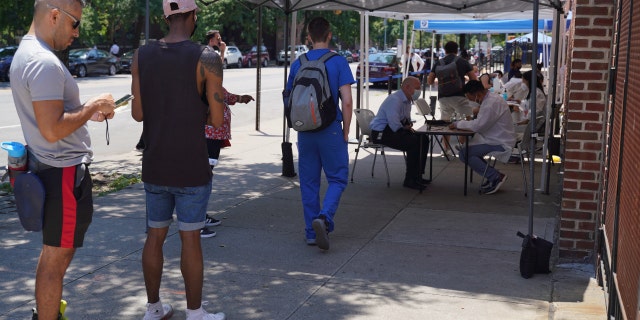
{"x": 155, "y": 313}
{"x": 448, "y": 153}
{"x": 201, "y": 314}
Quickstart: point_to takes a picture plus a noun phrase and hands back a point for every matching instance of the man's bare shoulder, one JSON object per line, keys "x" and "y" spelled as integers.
{"x": 211, "y": 61}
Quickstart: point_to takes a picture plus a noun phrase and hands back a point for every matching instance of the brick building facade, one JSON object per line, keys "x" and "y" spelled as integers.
{"x": 600, "y": 209}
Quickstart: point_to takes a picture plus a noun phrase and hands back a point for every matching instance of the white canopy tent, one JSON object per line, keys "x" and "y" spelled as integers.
{"x": 444, "y": 10}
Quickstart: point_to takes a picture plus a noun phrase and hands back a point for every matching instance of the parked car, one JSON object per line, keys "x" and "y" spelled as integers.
{"x": 251, "y": 58}
{"x": 90, "y": 61}
{"x": 232, "y": 56}
{"x": 6, "y": 56}
{"x": 299, "y": 50}
{"x": 382, "y": 65}
{"x": 347, "y": 55}
{"x": 125, "y": 61}
{"x": 355, "y": 56}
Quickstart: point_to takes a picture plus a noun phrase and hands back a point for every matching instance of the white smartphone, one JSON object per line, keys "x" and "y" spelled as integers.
{"x": 124, "y": 100}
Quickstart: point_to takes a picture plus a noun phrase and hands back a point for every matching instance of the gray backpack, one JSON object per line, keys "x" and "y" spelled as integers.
{"x": 449, "y": 82}
{"x": 311, "y": 106}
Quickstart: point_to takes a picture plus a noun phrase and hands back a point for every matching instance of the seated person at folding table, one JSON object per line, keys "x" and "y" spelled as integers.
{"x": 514, "y": 89}
{"x": 493, "y": 132}
{"x": 521, "y": 120}
{"x": 541, "y": 98}
{"x": 392, "y": 127}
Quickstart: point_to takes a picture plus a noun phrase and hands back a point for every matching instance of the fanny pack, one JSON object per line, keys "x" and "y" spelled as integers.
{"x": 29, "y": 193}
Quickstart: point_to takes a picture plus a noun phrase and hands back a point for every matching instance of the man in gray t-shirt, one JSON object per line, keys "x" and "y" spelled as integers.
{"x": 453, "y": 103}
{"x": 54, "y": 124}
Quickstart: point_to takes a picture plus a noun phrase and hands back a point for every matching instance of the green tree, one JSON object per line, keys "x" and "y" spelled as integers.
{"x": 15, "y": 19}
{"x": 237, "y": 23}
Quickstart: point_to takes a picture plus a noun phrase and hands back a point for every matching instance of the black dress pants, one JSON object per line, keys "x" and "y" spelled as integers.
{"x": 409, "y": 142}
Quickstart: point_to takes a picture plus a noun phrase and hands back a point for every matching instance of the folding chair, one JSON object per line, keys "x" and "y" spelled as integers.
{"x": 524, "y": 147}
{"x": 495, "y": 156}
{"x": 425, "y": 109}
{"x": 363, "y": 118}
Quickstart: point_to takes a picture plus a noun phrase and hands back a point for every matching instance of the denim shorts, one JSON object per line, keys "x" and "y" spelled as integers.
{"x": 190, "y": 204}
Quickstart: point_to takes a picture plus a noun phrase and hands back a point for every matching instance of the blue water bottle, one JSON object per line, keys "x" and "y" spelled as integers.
{"x": 17, "y": 163}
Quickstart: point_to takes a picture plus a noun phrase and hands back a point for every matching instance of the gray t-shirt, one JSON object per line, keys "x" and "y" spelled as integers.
{"x": 38, "y": 75}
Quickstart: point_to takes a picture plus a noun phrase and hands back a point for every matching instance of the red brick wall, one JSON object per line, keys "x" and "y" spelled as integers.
{"x": 620, "y": 212}
{"x": 589, "y": 53}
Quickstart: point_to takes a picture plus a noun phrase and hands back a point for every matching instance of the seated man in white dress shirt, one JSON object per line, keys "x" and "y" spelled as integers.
{"x": 493, "y": 132}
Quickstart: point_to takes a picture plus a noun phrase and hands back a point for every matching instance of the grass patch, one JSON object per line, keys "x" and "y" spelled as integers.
{"x": 115, "y": 182}
{"x": 5, "y": 187}
{"x": 102, "y": 183}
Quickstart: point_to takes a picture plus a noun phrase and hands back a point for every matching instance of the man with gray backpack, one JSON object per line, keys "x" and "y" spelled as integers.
{"x": 316, "y": 82}
{"x": 450, "y": 72}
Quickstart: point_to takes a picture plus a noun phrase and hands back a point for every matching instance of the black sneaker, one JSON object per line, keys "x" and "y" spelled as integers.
{"x": 495, "y": 185}
{"x": 206, "y": 233}
{"x": 322, "y": 236}
{"x": 211, "y": 221}
{"x": 413, "y": 184}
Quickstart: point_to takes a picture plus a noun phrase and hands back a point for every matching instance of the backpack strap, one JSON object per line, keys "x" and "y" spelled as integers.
{"x": 325, "y": 57}
{"x": 303, "y": 58}
{"x": 441, "y": 61}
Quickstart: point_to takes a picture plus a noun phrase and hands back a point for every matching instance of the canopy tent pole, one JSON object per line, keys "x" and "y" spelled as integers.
{"x": 259, "y": 70}
{"x": 551, "y": 102}
{"x": 433, "y": 48}
{"x": 361, "y": 62}
{"x": 285, "y": 135}
{"x": 288, "y": 169}
{"x": 404, "y": 46}
{"x": 366, "y": 57}
{"x": 292, "y": 37}
{"x": 405, "y": 66}
{"x": 487, "y": 56}
{"x": 532, "y": 122}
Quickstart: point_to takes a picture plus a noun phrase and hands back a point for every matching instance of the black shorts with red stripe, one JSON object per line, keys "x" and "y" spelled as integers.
{"x": 68, "y": 207}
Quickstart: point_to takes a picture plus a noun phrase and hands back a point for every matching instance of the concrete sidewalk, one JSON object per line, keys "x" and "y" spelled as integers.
{"x": 395, "y": 253}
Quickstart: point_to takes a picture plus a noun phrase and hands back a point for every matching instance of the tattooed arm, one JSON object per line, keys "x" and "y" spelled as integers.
{"x": 210, "y": 79}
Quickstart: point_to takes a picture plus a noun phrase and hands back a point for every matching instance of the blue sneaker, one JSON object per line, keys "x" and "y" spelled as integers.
{"x": 495, "y": 185}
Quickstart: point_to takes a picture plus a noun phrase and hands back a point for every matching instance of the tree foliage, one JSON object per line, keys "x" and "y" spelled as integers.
{"x": 15, "y": 18}
{"x": 104, "y": 21}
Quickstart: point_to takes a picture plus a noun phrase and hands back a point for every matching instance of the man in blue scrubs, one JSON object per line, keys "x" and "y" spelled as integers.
{"x": 326, "y": 149}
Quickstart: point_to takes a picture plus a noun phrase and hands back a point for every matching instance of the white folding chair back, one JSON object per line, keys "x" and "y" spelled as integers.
{"x": 363, "y": 118}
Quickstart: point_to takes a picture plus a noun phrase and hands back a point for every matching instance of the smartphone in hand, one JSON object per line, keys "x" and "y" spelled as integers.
{"x": 124, "y": 100}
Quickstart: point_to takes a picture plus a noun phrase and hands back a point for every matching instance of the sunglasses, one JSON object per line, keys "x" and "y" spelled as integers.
{"x": 76, "y": 22}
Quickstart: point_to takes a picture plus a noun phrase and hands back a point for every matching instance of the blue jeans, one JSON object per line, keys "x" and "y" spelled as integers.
{"x": 324, "y": 150}
{"x": 190, "y": 204}
{"x": 476, "y": 159}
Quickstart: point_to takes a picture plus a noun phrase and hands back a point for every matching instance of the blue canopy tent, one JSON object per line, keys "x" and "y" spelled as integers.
{"x": 480, "y": 26}
{"x": 522, "y": 48}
